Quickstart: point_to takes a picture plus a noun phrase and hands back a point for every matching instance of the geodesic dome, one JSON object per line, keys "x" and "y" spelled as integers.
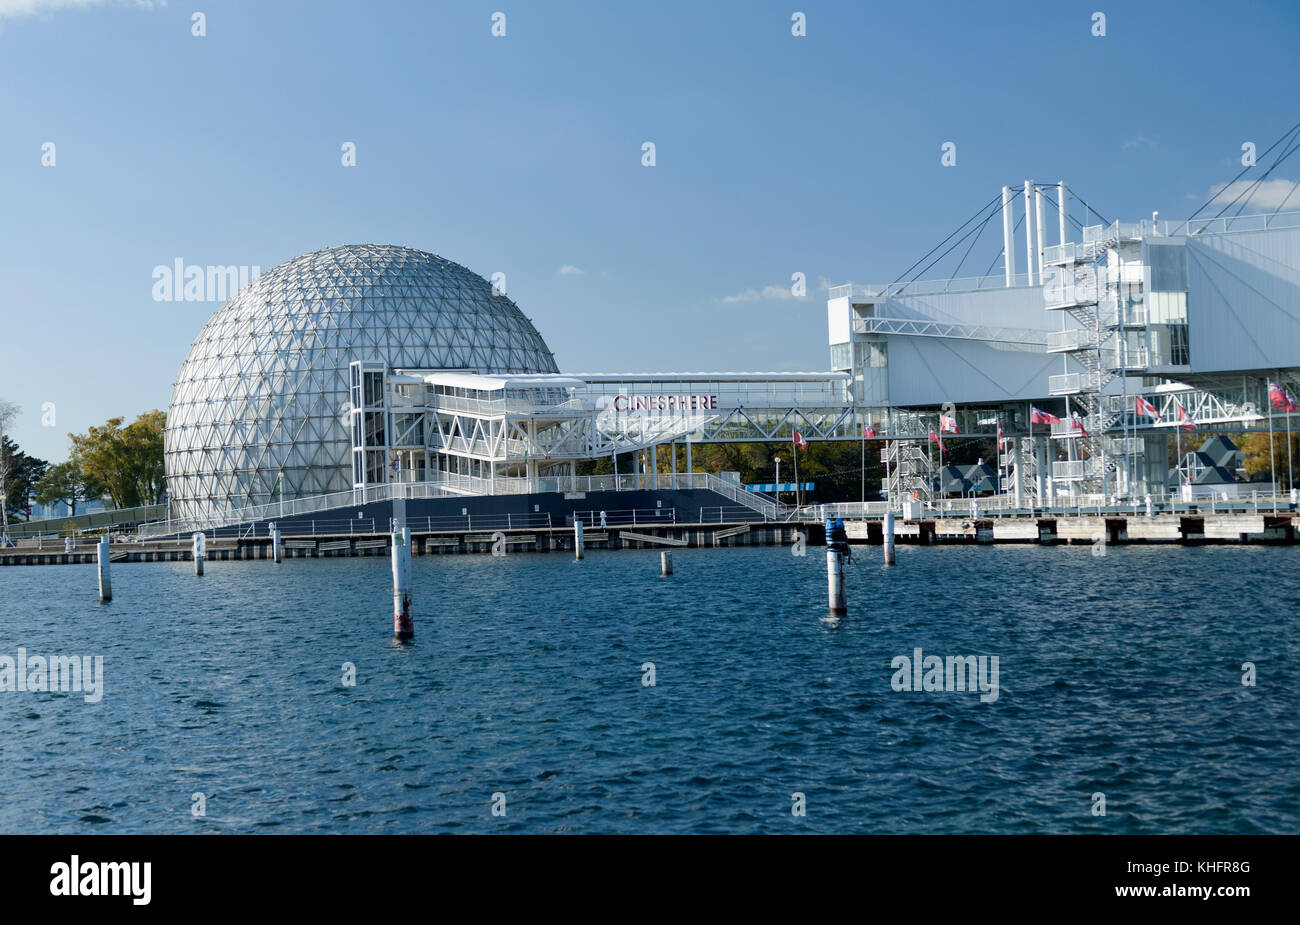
{"x": 263, "y": 390}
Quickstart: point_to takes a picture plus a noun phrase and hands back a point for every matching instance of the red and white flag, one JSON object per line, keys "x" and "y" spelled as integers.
{"x": 935, "y": 437}
{"x": 1002, "y": 441}
{"x": 868, "y": 432}
{"x": 1281, "y": 398}
{"x": 948, "y": 423}
{"x": 1185, "y": 421}
{"x": 799, "y": 440}
{"x": 1142, "y": 406}
{"x": 1038, "y": 416}
{"x": 1077, "y": 423}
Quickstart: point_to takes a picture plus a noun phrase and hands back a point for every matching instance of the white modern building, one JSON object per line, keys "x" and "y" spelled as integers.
{"x": 371, "y": 365}
{"x": 1123, "y": 334}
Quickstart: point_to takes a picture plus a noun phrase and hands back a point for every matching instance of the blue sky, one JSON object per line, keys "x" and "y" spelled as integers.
{"x": 522, "y": 154}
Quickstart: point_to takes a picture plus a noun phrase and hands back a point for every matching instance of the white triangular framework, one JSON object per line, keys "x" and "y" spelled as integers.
{"x": 260, "y": 396}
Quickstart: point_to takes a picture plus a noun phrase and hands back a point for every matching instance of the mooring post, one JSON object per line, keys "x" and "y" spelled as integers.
{"x": 200, "y": 549}
{"x": 837, "y": 550}
{"x": 275, "y": 543}
{"x": 665, "y": 563}
{"x": 67, "y": 544}
{"x": 577, "y": 536}
{"x": 403, "y": 624}
{"x": 1150, "y": 509}
{"x": 105, "y": 581}
{"x": 888, "y": 530}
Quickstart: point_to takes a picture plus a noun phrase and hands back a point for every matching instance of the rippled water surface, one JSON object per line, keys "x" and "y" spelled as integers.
{"x": 1118, "y": 674}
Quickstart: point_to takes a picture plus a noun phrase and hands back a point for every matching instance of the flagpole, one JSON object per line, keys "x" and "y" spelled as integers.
{"x": 794, "y": 451}
{"x": 929, "y": 456}
{"x": 1272, "y": 463}
{"x": 1178, "y": 464}
{"x": 1286, "y": 397}
{"x": 864, "y": 469}
{"x": 889, "y": 486}
{"x": 1033, "y": 451}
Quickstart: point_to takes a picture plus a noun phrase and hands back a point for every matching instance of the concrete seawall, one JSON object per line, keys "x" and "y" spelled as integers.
{"x": 1182, "y": 529}
{"x": 1110, "y": 529}
{"x": 558, "y": 539}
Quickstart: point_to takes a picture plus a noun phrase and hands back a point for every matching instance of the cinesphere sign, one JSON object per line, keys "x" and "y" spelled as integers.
{"x": 631, "y": 404}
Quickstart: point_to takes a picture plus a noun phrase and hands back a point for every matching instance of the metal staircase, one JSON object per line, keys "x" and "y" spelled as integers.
{"x": 910, "y": 470}
{"x": 1087, "y": 288}
{"x": 1021, "y": 463}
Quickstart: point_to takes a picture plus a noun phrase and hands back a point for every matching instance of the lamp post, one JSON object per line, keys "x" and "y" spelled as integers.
{"x": 778, "y": 480}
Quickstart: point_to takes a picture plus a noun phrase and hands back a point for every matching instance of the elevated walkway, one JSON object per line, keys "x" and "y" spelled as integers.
{"x": 694, "y": 495}
{"x": 79, "y": 523}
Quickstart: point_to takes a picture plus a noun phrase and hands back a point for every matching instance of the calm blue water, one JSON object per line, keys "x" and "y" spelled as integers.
{"x": 1119, "y": 674}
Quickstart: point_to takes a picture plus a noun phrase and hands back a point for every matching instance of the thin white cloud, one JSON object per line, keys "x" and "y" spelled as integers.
{"x": 14, "y": 9}
{"x": 1140, "y": 141}
{"x": 570, "y": 270}
{"x": 1267, "y": 197}
{"x": 766, "y": 294}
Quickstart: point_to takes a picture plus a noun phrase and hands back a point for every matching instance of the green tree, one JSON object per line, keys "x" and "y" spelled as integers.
{"x": 64, "y": 483}
{"x": 20, "y": 475}
{"x": 8, "y": 413}
{"x": 124, "y": 463}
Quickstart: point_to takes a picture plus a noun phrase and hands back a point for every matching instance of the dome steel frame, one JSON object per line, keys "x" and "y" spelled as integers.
{"x": 259, "y": 410}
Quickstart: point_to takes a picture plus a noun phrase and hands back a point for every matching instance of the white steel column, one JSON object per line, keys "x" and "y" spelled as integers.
{"x": 1063, "y": 210}
{"x": 1041, "y": 235}
{"x": 1008, "y": 237}
{"x": 1029, "y": 230}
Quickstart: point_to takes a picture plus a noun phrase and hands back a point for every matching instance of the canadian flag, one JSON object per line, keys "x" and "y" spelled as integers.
{"x": 1142, "y": 406}
{"x": 868, "y": 432}
{"x": 1002, "y": 441}
{"x": 948, "y": 423}
{"x": 1281, "y": 398}
{"x": 1077, "y": 423}
{"x": 935, "y": 437}
{"x": 799, "y": 440}
{"x": 1185, "y": 421}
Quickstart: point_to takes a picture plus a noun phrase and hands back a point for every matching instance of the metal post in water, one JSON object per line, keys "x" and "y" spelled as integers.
{"x": 403, "y": 625}
{"x": 837, "y": 550}
{"x": 200, "y": 549}
{"x": 888, "y": 530}
{"x": 577, "y": 537}
{"x": 105, "y": 580}
{"x": 275, "y": 543}
{"x": 665, "y": 563}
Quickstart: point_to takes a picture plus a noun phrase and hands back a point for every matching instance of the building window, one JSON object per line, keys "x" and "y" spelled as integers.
{"x": 841, "y": 356}
{"x": 374, "y": 383}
